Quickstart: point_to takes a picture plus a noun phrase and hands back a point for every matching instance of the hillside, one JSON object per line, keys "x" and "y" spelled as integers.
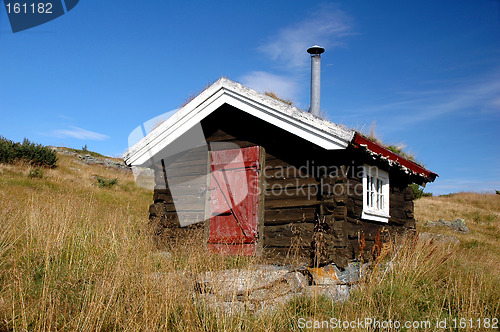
{"x": 482, "y": 215}
{"x": 78, "y": 256}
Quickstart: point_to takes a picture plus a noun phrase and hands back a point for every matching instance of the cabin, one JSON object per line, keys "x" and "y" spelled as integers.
{"x": 260, "y": 177}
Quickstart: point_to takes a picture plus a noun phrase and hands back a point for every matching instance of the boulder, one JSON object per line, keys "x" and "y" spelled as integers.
{"x": 332, "y": 275}
{"x": 457, "y": 225}
{"x": 428, "y": 237}
{"x": 263, "y": 288}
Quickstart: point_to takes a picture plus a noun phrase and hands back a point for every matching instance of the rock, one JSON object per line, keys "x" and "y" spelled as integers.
{"x": 257, "y": 290}
{"x": 89, "y": 159}
{"x": 296, "y": 281}
{"x": 457, "y": 225}
{"x": 431, "y": 223}
{"x": 351, "y": 274}
{"x": 227, "y": 307}
{"x": 326, "y": 275}
{"x": 428, "y": 237}
{"x": 334, "y": 292}
{"x": 62, "y": 151}
{"x": 267, "y": 287}
{"x": 332, "y": 275}
{"x": 235, "y": 282}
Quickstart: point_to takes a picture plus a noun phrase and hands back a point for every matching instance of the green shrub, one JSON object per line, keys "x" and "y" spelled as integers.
{"x": 6, "y": 150}
{"x": 36, "y": 173}
{"x": 417, "y": 191}
{"x": 35, "y": 154}
{"x": 105, "y": 183}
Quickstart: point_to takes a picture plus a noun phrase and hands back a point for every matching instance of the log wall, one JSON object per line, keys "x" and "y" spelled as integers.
{"x": 308, "y": 211}
{"x": 341, "y": 234}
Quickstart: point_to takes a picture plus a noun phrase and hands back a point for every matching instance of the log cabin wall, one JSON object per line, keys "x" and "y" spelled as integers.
{"x": 341, "y": 235}
{"x": 312, "y": 211}
{"x": 163, "y": 216}
{"x": 291, "y": 199}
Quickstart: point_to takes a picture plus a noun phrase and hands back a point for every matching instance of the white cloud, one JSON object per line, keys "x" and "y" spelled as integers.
{"x": 284, "y": 87}
{"x": 445, "y": 186}
{"x": 79, "y": 133}
{"x": 479, "y": 96}
{"x": 325, "y": 27}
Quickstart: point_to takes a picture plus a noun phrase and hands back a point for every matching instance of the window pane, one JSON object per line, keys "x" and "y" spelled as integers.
{"x": 368, "y": 196}
{"x": 368, "y": 191}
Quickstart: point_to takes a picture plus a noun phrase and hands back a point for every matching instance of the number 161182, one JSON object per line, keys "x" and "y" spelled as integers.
{"x": 34, "y": 8}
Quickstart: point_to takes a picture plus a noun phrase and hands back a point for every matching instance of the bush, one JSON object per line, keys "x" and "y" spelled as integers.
{"x": 35, "y": 154}
{"x": 6, "y": 150}
{"x": 36, "y": 173}
{"x": 417, "y": 191}
{"x": 105, "y": 183}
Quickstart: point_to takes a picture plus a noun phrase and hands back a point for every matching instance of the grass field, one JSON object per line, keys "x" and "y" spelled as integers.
{"x": 74, "y": 256}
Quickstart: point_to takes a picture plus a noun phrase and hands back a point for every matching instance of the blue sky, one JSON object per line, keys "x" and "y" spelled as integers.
{"x": 426, "y": 72}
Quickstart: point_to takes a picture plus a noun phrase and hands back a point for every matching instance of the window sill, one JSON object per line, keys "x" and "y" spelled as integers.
{"x": 375, "y": 216}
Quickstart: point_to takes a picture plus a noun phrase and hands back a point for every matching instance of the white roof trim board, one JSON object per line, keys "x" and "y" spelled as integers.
{"x": 323, "y": 133}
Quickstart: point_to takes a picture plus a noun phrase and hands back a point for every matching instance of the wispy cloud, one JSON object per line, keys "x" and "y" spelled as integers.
{"x": 285, "y": 87}
{"x": 326, "y": 27}
{"x": 477, "y": 96}
{"x": 79, "y": 133}
{"x": 445, "y": 186}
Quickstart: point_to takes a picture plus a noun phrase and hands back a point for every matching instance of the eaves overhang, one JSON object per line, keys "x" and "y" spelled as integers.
{"x": 393, "y": 158}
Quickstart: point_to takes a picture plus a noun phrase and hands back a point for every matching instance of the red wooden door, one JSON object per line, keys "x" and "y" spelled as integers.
{"x": 234, "y": 201}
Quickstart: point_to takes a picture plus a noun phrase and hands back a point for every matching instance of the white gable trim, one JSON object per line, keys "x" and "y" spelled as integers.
{"x": 320, "y": 132}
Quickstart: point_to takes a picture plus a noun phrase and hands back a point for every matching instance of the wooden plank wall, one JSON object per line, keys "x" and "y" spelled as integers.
{"x": 186, "y": 173}
{"x": 289, "y": 215}
{"x": 342, "y": 235}
{"x": 309, "y": 219}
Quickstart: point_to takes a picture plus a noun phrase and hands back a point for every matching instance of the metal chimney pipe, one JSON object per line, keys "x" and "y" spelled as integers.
{"x": 315, "y": 52}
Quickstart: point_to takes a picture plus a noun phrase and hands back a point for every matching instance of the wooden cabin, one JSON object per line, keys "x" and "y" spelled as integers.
{"x": 262, "y": 177}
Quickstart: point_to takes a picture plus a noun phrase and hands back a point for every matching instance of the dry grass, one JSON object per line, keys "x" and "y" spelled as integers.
{"x": 74, "y": 256}
{"x": 275, "y": 96}
{"x": 482, "y": 216}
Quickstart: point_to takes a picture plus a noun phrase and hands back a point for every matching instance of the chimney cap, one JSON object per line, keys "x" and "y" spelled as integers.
{"x": 315, "y": 50}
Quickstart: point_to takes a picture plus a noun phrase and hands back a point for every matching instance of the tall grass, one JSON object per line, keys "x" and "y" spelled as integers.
{"x": 74, "y": 256}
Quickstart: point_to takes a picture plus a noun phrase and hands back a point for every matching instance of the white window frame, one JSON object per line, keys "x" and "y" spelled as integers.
{"x": 375, "y": 201}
